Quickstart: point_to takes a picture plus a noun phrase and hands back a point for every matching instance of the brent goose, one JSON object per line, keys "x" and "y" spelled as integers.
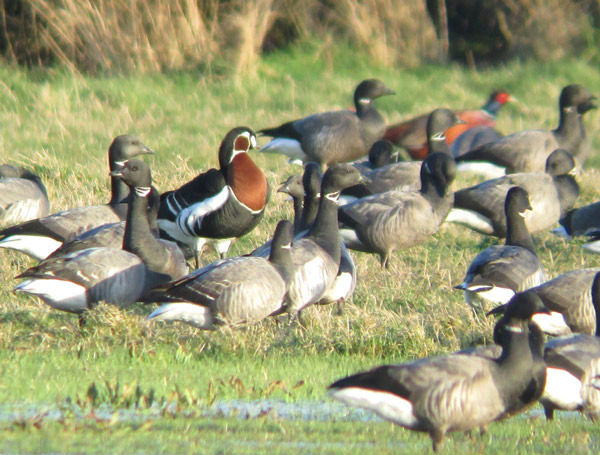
{"x": 218, "y": 205}
{"x": 77, "y": 281}
{"x": 23, "y": 196}
{"x": 527, "y": 151}
{"x": 39, "y": 238}
{"x": 500, "y": 271}
{"x": 458, "y": 392}
{"x": 551, "y": 194}
{"x": 411, "y": 134}
{"x": 336, "y": 136}
{"x": 233, "y": 291}
{"x": 384, "y": 222}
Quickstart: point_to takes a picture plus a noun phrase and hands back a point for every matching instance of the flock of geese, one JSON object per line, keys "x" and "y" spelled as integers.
{"x": 136, "y": 247}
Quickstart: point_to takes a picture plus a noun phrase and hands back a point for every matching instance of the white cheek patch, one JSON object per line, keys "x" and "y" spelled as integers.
{"x": 385, "y": 404}
{"x": 142, "y": 191}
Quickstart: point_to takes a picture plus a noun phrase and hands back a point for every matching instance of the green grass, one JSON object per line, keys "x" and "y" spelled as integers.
{"x": 61, "y": 125}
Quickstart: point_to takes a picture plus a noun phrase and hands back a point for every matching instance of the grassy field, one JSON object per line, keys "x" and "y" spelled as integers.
{"x": 61, "y": 125}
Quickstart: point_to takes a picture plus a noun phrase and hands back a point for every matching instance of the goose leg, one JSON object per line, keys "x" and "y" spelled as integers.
{"x": 437, "y": 438}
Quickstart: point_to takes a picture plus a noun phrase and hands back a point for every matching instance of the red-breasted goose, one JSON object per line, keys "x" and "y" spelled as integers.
{"x": 336, "y": 136}
{"x": 456, "y": 392}
{"x": 77, "y": 281}
{"x": 527, "y": 151}
{"x": 220, "y": 204}
{"x": 406, "y": 176}
{"x": 551, "y": 194}
{"x": 39, "y": 238}
{"x": 412, "y": 136}
{"x": 392, "y": 220}
{"x": 500, "y": 271}
{"x": 233, "y": 291}
{"x": 23, "y": 196}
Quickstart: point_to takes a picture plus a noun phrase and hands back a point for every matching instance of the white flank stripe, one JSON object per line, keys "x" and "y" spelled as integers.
{"x": 562, "y": 389}
{"x": 552, "y": 324}
{"x": 496, "y": 294}
{"x": 386, "y": 405}
{"x": 196, "y": 315}
{"x": 471, "y": 219}
{"x": 488, "y": 170}
{"x": 592, "y": 247}
{"x": 190, "y": 218}
{"x": 36, "y": 246}
{"x": 59, "y": 294}
{"x": 288, "y": 147}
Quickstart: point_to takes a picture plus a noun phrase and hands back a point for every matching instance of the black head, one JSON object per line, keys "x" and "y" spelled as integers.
{"x": 239, "y": 140}
{"x": 440, "y": 169}
{"x": 381, "y": 153}
{"x": 517, "y": 201}
{"x": 519, "y": 311}
{"x": 370, "y": 89}
{"x": 311, "y": 180}
{"x": 560, "y": 162}
{"x": 293, "y": 187}
{"x": 135, "y": 173}
{"x": 124, "y": 148}
{"x": 575, "y": 96}
{"x": 439, "y": 121}
{"x": 339, "y": 177}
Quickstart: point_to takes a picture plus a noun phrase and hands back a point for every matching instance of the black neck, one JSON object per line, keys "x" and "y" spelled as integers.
{"x": 570, "y": 127}
{"x": 596, "y": 301}
{"x": 298, "y": 213}
{"x": 138, "y": 238}
{"x": 324, "y": 231}
{"x": 119, "y": 191}
{"x": 438, "y": 146}
{"x": 517, "y": 233}
{"x": 309, "y": 214}
{"x": 516, "y": 348}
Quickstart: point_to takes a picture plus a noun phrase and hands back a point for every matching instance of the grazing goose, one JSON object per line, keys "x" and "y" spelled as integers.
{"x": 527, "y": 151}
{"x": 406, "y": 176}
{"x": 23, "y": 196}
{"x": 380, "y": 154}
{"x": 385, "y": 222}
{"x": 572, "y": 299}
{"x": 580, "y": 221}
{"x": 39, "y": 238}
{"x": 109, "y": 235}
{"x": 220, "y": 204}
{"x": 411, "y": 134}
{"x": 551, "y": 194}
{"x": 77, "y": 281}
{"x": 500, "y": 271}
{"x": 232, "y": 292}
{"x": 336, "y": 136}
{"x": 456, "y": 392}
